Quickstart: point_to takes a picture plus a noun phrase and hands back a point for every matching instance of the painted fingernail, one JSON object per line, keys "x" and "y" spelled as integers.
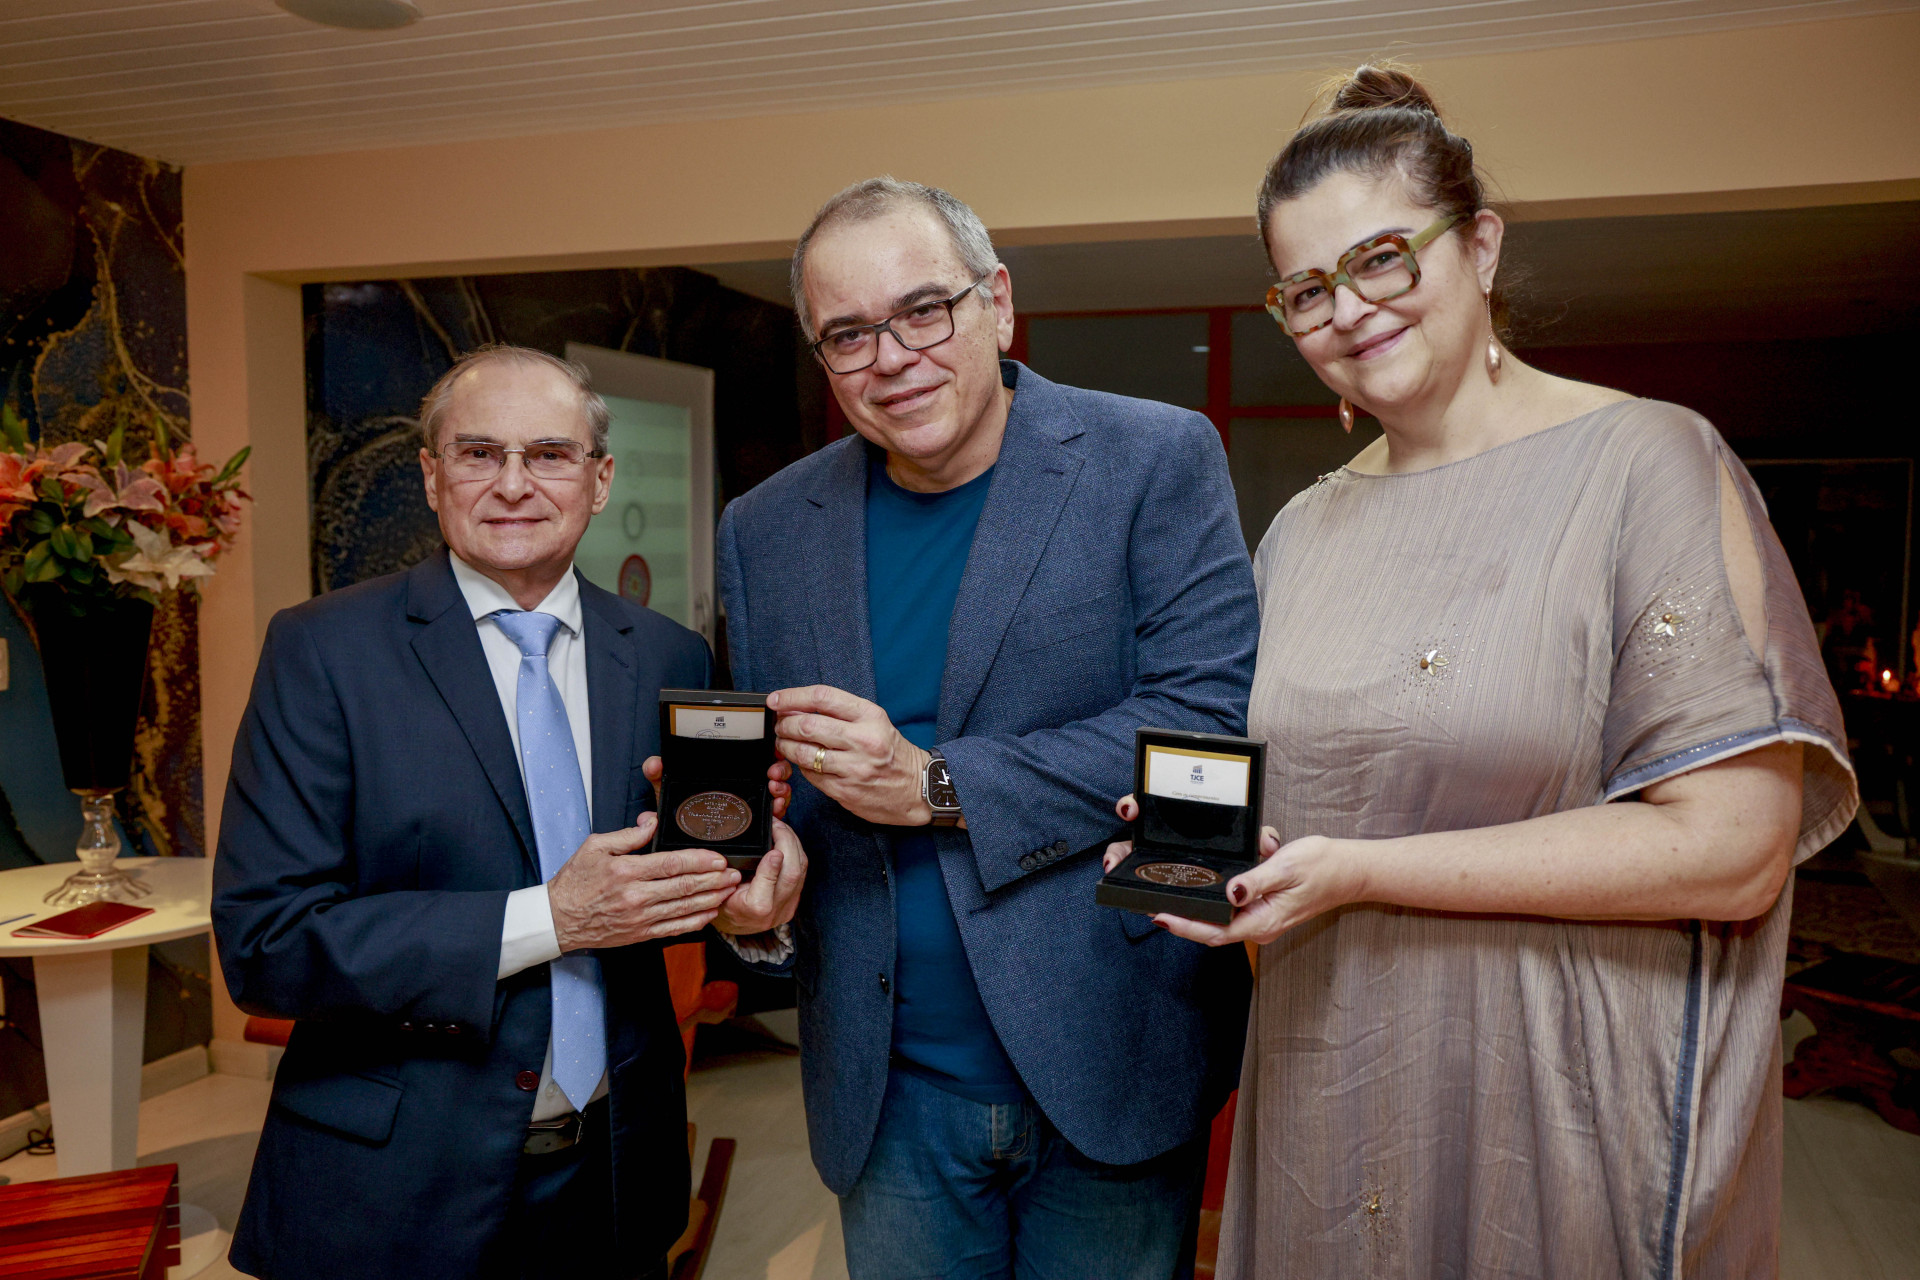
{"x": 1238, "y": 893}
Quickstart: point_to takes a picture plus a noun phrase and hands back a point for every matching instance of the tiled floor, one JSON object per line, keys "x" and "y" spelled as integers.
{"x": 780, "y": 1222}
{"x": 1852, "y": 1182}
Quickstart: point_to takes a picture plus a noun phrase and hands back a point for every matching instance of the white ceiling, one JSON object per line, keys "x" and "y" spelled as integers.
{"x": 193, "y": 81}
{"x": 1770, "y": 274}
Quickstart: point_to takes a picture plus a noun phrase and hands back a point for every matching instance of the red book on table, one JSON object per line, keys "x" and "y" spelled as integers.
{"x": 89, "y": 921}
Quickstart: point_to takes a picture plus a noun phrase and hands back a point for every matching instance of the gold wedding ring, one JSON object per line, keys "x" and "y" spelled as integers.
{"x": 819, "y": 760}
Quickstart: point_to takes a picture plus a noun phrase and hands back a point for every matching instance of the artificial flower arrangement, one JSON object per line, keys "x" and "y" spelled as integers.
{"x": 88, "y": 531}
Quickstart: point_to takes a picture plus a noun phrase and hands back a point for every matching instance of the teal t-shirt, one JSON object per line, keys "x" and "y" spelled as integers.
{"x": 917, "y": 545}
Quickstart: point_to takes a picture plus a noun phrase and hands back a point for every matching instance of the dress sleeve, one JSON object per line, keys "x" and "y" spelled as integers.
{"x": 1688, "y": 686}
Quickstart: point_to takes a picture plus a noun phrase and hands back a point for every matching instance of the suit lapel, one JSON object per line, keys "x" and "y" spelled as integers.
{"x": 448, "y": 646}
{"x": 834, "y": 552}
{"x": 610, "y": 701}
{"x": 1031, "y": 481}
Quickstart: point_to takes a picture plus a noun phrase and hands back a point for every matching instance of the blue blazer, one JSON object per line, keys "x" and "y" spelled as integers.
{"x": 375, "y": 822}
{"x": 1108, "y": 587}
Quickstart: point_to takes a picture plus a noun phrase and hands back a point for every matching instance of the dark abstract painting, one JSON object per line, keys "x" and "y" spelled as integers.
{"x": 93, "y": 311}
{"x": 375, "y": 347}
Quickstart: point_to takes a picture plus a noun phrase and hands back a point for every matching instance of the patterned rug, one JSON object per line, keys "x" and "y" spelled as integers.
{"x": 1840, "y": 910}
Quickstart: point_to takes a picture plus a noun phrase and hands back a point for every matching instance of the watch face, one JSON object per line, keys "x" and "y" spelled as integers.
{"x": 940, "y": 792}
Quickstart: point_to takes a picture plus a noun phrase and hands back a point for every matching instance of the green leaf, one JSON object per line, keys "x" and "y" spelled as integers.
{"x": 116, "y": 440}
{"x": 82, "y": 573}
{"x": 12, "y": 581}
{"x": 161, "y": 442}
{"x": 12, "y": 428}
{"x": 50, "y": 491}
{"x": 83, "y": 542}
{"x": 63, "y": 543}
{"x": 232, "y": 469}
{"x": 98, "y": 527}
{"x": 40, "y": 564}
{"x": 39, "y": 523}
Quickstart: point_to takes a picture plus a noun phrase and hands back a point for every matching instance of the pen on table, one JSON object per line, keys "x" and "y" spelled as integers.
{"x": 15, "y": 919}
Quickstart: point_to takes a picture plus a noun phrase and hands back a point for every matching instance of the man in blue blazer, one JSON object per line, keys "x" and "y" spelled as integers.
{"x": 965, "y": 611}
{"x": 484, "y": 1076}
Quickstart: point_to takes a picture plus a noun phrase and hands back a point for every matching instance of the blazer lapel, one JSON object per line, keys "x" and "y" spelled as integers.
{"x": 1031, "y": 481}
{"x": 448, "y": 646}
{"x": 610, "y": 699}
{"x": 835, "y": 553}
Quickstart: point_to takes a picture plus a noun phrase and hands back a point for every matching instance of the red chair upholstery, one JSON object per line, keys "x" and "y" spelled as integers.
{"x": 268, "y": 1031}
{"x": 1213, "y": 1197}
{"x": 695, "y": 1000}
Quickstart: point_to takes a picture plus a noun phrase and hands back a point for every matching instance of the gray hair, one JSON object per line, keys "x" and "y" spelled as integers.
{"x": 876, "y": 197}
{"x": 434, "y": 406}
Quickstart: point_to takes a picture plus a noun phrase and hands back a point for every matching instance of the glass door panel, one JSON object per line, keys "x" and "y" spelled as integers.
{"x": 653, "y": 544}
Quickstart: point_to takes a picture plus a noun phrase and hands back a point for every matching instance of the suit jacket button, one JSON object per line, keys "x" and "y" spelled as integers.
{"x": 406, "y": 1026}
{"x": 886, "y": 984}
{"x": 528, "y": 1080}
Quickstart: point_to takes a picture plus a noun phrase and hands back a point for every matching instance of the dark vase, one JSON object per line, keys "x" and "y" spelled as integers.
{"x": 96, "y": 668}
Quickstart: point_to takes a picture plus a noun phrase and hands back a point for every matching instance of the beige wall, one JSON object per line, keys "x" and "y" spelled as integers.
{"x": 1821, "y": 113}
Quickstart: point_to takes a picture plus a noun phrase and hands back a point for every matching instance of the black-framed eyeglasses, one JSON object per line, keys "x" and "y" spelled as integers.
{"x": 544, "y": 459}
{"x": 1378, "y": 270}
{"x": 922, "y": 325}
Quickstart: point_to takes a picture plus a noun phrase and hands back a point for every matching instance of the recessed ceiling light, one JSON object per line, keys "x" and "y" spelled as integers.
{"x": 354, "y": 15}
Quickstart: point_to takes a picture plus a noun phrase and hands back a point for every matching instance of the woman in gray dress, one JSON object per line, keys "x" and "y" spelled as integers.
{"x": 1546, "y": 729}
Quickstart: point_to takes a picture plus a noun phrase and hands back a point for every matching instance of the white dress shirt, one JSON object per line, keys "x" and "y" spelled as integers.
{"x": 527, "y": 936}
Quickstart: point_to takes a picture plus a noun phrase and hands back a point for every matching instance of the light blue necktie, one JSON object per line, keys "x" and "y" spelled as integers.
{"x": 557, "y": 798}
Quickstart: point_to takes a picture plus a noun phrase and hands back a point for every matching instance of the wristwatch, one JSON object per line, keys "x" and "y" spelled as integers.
{"x": 936, "y": 788}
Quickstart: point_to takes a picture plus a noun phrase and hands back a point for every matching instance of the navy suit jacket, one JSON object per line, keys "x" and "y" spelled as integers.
{"x": 375, "y": 822}
{"x": 1107, "y": 587}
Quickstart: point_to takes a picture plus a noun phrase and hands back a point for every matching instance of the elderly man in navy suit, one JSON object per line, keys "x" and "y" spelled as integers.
{"x": 965, "y": 611}
{"x": 426, "y": 860}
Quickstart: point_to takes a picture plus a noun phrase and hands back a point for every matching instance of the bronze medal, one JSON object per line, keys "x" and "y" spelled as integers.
{"x": 1183, "y": 875}
{"x": 713, "y": 815}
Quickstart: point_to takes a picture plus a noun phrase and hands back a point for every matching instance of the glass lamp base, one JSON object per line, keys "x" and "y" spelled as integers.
{"x": 98, "y": 880}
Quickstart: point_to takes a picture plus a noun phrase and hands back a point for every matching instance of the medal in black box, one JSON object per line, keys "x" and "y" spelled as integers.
{"x": 716, "y": 747}
{"x": 1199, "y": 824}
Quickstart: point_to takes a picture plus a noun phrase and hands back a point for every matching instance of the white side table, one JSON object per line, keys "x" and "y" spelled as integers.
{"x": 93, "y": 1002}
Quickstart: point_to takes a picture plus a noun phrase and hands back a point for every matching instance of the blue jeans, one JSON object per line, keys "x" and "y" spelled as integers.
{"x": 963, "y": 1190}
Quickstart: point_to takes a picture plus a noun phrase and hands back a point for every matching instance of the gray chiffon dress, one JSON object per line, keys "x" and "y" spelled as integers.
{"x": 1542, "y": 626}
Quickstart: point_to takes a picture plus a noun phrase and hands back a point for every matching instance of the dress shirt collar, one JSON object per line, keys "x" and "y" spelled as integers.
{"x": 485, "y": 596}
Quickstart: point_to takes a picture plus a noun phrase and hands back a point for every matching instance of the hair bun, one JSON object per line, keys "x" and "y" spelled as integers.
{"x": 1373, "y": 87}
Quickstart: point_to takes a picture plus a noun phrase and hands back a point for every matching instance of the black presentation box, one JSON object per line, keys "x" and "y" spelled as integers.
{"x": 716, "y": 747}
{"x": 1199, "y": 824}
